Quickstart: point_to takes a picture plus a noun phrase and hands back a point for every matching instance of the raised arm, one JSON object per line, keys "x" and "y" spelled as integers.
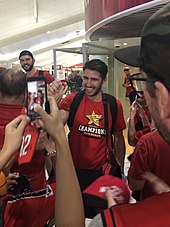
{"x": 13, "y": 138}
{"x": 131, "y": 124}
{"x": 119, "y": 146}
{"x": 69, "y": 206}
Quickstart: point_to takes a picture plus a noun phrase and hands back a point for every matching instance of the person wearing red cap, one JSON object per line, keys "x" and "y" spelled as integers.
{"x": 127, "y": 84}
{"x": 27, "y": 63}
{"x": 95, "y": 194}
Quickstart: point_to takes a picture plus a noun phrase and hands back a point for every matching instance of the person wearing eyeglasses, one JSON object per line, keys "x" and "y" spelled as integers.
{"x": 153, "y": 59}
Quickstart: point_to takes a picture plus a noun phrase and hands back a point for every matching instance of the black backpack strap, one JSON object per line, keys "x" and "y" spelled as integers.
{"x": 113, "y": 108}
{"x": 108, "y": 218}
{"x": 41, "y": 73}
{"x": 73, "y": 108}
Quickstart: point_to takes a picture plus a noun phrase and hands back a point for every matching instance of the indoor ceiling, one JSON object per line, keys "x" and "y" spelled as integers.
{"x": 126, "y": 24}
{"x": 39, "y": 26}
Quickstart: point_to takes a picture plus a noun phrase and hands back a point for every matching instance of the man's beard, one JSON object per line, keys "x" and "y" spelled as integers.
{"x": 97, "y": 91}
{"x": 163, "y": 130}
{"x": 30, "y": 68}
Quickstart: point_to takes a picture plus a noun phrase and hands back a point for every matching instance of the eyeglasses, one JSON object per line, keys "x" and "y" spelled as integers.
{"x": 138, "y": 82}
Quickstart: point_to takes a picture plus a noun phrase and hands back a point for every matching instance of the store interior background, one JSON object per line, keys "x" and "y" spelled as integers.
{"x": 54, "y": 31}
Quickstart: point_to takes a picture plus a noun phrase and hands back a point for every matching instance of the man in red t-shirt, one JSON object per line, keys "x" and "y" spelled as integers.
{"x": 12, "y": 96}
{"x": 127, "y": 83}
{"x": 87, "y": 142}
{"x": 151, "y": 154}
{"x": 36, "y": 208}
{"x": 152, "y": 56}
{"x": 27, "y": 63}
{"x": 87, "y": 135}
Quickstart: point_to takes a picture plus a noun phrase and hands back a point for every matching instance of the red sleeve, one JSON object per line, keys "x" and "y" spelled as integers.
{"x": 66, "y": 102}
{"x": 120, "y": 121}
{"x": 140, "y": 162}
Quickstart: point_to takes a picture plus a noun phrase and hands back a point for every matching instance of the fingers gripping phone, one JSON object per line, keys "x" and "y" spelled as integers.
{"x": 36, "y": 94}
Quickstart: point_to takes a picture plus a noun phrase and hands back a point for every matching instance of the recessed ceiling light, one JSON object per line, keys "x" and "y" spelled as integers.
{"x": 125, "y": 44}
{"x": 48, "y": 32}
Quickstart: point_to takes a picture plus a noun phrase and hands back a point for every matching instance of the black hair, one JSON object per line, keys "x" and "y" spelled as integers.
{"x": 97, "y": 65}
{"x": 40, "y": 91}
{"x": 12, "y": 82}
{"x": 26, "y": 52}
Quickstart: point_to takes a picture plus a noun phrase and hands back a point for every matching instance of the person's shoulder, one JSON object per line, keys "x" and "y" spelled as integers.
{"x": 150, "y": 136}
{"x": 47, "y": 73}
{"x": 69, "y": 97}
{"x": 48, "y": 77}
{"x": 67, "y": 101}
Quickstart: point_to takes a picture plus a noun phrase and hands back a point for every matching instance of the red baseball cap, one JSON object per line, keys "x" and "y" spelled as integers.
{"x": 94, "y": 194}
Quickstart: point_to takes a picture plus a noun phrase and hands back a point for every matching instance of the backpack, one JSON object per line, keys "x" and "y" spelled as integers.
{"x": 77, "y": 100}
{"x": 41, "y": 73}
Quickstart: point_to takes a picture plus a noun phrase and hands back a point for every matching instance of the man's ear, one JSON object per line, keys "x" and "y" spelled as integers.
{"x": 163, "y": 97}
{"x": 104, "y": 80}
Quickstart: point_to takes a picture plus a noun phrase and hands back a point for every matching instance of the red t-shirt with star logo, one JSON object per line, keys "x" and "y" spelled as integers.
{"x": 87, "y": 136}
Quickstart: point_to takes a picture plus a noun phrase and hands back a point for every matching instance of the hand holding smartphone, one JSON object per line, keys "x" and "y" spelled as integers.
{"x": 36, "y": 89}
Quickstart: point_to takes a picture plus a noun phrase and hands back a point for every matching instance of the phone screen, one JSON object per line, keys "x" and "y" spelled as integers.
{"x": 36, "y": 95}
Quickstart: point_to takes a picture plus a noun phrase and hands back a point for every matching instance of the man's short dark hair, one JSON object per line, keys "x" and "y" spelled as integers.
{"x": 12, "y": 82}
{"x": 26, "y": 52}
{"x": 97, "y": 65}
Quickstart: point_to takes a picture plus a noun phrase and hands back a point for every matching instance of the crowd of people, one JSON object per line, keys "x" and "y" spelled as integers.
{"x": 76, "y": 186}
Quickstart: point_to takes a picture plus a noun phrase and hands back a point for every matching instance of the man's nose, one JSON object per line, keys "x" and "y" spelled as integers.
{"x": 89, "y": 82}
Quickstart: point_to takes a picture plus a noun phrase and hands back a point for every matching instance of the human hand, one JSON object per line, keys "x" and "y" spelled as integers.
{"x": 52, "y": 123}
{"x": 133, "y": 109}
{"x": 10, "y": 179}
{"x": 57, "y": 89}
{"x": 14, "y": 132}
{"x": 46, "y": 142}
{"x": 109, "y": 197}
{"x": 140, "y": 110}
{"x": 50, "y": 146}
{"x": 158, "y": 185}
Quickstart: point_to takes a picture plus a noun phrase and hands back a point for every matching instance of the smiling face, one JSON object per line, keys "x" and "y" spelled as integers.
{"x": 92, "y": 82}
{"x": 27, "y": 62}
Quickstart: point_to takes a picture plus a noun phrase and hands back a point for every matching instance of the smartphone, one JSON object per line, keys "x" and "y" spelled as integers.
{"x": 36, "y": 94}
